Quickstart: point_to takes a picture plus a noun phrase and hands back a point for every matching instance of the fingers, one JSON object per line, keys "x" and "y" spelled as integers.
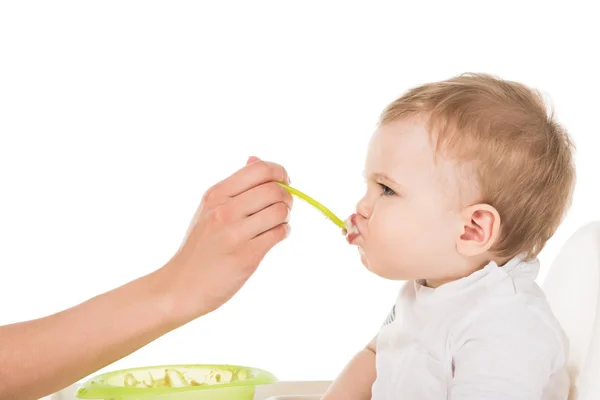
{"x": 257, "y": 199}
{"x": 256, "y": 172}
{"x": 264, "y": 220}
{"x": 258, "y": 247}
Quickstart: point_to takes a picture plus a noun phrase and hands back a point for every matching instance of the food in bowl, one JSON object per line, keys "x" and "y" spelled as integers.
{"x": 174, "y": 378}
{"x": 177, "y": 382}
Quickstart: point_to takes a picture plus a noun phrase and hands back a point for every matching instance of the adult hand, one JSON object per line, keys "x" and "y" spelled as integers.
{"x": 238, "y": 221}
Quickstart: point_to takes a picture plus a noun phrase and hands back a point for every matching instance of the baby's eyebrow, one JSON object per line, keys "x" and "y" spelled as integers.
{"x": 382, "y": 176}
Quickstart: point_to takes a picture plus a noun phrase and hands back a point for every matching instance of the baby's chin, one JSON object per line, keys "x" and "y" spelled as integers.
{"x": 394, "y": 273}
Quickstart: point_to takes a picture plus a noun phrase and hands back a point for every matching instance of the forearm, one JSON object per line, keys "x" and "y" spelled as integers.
{"x": 356, "y": 380}
{"x": 45, "y": 355}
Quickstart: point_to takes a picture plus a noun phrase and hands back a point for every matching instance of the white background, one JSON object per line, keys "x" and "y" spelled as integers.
{"x": 116, "y": 116}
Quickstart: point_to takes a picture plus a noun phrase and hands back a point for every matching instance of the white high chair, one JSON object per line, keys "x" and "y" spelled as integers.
{"x": 572, "y": 288}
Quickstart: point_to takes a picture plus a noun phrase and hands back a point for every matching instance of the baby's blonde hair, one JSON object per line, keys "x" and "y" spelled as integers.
{"x": 522, "y": 157}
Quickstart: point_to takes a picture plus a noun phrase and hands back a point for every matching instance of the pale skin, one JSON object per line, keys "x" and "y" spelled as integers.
{"x": 238, "y": 221}
{"x": 414, "y": 203}
{"x": 356, "y": 379}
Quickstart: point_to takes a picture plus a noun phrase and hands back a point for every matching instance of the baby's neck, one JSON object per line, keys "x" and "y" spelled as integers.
{"x": 474, "y": 267}
{"x": 435, "y": 283}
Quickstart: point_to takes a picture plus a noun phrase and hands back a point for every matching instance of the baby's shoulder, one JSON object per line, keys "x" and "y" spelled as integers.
{"x": 524, "y": 320}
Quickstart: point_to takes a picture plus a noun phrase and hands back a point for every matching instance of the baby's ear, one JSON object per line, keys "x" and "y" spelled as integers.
{"x": 480, "y": 230}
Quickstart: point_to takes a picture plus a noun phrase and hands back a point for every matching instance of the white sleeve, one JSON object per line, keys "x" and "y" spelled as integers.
{"x": 509, "y": 355}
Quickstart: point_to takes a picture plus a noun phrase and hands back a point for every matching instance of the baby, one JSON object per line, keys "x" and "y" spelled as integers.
{"x": 466, "y": 181}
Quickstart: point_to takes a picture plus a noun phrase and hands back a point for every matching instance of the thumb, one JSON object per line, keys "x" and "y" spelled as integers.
{"x": 252, "y": 159}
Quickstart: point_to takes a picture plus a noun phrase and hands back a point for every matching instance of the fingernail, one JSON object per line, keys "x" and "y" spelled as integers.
{"x": 288, "y": 230}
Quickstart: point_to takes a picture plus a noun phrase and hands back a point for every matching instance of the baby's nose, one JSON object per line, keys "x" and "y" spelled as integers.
{"x": 363, "y": 208}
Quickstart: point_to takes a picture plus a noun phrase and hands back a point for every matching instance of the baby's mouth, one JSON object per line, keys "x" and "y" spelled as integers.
{"x": 352, "y": 231}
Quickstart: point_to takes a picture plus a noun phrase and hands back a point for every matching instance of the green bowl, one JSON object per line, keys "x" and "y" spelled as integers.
{"x": 211, "y": 382}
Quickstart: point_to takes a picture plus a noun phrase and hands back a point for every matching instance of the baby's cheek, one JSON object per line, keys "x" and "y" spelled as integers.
{"x": 398, "y": 228}
{"x": 394, "y": 240}
{"x": 384, "y": 233}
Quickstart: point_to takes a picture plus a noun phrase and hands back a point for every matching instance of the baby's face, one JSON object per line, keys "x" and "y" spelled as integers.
{"x": 409, "y": 218}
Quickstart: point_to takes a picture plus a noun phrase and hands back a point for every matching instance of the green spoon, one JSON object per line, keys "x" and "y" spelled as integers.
{"x": 330, "y": 215}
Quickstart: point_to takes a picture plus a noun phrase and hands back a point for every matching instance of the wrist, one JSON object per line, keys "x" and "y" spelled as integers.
{"x": 164, "y": 298}
{"x": 178, "y": 296}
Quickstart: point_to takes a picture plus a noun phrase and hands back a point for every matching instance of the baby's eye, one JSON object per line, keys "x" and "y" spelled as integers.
{"x": 386, "y": 191}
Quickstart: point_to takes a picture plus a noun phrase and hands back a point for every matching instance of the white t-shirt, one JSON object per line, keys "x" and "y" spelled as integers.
{"x": 489, "y": 336}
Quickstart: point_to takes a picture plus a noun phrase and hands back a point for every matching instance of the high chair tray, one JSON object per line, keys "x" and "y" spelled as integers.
{"x": 292, "y": 390}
